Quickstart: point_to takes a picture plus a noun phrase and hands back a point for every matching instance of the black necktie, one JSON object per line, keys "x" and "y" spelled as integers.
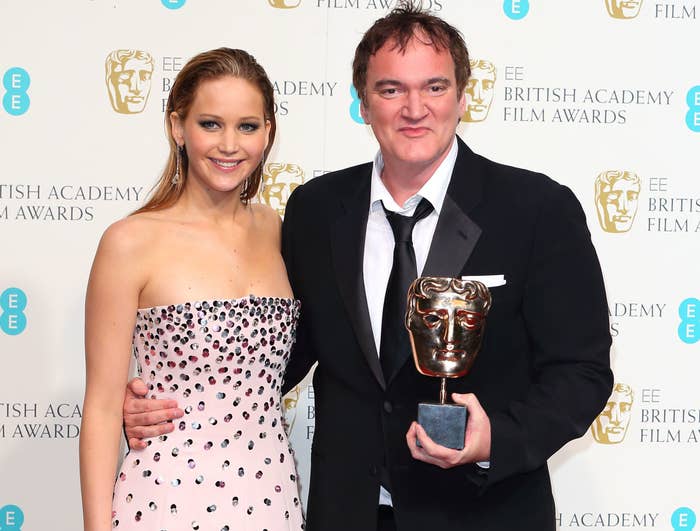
{"x": 394, "y": 341}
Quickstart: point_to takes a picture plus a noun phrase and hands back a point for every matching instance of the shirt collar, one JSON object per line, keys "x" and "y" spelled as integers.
{"x": 434, "y": 190}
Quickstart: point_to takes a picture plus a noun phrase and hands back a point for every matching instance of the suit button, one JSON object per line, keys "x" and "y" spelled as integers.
{"x": 388, "y": 407}
{"x": 373, "y": 470}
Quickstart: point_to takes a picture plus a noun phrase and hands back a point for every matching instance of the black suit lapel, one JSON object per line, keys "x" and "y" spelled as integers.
{"x": 347, "y": 248}
{"x": 456, "y": 234}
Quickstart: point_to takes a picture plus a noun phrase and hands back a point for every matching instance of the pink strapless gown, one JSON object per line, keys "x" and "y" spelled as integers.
{"x": 227, "y": 466}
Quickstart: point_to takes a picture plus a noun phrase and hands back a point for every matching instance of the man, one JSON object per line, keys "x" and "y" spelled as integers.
{"x": 610, "y": 427}
{"x": 543, "y": 371}
{"x": 616, "y": 199}
{"x": 128, "y": 76}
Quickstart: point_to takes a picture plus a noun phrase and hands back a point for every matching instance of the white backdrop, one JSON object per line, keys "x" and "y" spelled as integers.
{"x": 579, "y": 89}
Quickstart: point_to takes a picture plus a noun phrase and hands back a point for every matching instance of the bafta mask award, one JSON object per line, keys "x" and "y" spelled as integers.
{"x": 445, "y": 318}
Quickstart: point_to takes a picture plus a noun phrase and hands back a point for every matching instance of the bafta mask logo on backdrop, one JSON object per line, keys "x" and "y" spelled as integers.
{"x": 616, "y": 199}
{"x": 610, "y": 427}
{"x": 479, "y": 92}
{"x": 128, "y": 76}
{"x": 284, "y": 4}
{"x": 623, "y": 8}
{"x": 279, "y": 181}
{"x": 13, "y": 321}
{"x": 16, "y": 82}
{"x": 290, "y": 402}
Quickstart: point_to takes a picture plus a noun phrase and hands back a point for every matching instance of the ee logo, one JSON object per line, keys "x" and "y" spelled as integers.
{"x": 11, "y": 518}
{"x": 516, "y": 9}
{"x": 683, "y": 519}
{"x": 16, "y": 82}
{"x": 692, "y": 117}
{"x": 173, "y": 4}
{"x": 13, "y": 301}
{"x": 689, "y": 312}
{"x": 355, "y": 106}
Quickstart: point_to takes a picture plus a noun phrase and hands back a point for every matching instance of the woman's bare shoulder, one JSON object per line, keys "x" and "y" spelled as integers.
{"x": 266, "y": 215}
{"x": 132, "y": 233}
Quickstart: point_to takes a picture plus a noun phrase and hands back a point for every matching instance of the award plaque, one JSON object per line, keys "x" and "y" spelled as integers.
{"x": 445, "y": 318}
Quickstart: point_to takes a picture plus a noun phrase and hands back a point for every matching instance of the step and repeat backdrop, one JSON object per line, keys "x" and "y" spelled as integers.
{"x": 602, "y": 95}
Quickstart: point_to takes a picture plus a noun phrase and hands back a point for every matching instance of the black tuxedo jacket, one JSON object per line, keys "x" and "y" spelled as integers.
{"x": 542, "y": 374}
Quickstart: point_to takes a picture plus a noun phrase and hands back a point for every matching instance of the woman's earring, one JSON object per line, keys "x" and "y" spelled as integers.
{"x": 178, "y": 156}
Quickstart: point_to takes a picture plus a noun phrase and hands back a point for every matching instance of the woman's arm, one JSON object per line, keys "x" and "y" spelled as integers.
{"x": 110, "y": 314}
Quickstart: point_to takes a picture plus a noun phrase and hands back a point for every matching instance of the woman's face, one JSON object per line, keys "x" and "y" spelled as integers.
{"x": 225, "y": 133}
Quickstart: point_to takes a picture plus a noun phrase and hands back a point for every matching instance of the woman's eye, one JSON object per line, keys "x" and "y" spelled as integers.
{"x": 249, "y": 128}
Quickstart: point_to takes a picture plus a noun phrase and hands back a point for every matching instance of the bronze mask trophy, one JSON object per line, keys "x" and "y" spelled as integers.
{"x": 445, "y": 318}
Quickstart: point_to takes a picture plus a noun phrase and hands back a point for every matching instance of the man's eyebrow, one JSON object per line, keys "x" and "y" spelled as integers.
{"x": 387, "y": 83}
{"x": 434, "y": 80}
{"x": 396, "y": 83}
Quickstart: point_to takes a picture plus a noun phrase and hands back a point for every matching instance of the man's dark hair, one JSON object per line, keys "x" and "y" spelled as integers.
{"x": 402, "y": 24}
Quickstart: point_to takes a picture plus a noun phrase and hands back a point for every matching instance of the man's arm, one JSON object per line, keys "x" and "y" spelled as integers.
{"x": 301, "y": 358}
{"x": 144, "y": 417}
{"x": 565, "y": 313}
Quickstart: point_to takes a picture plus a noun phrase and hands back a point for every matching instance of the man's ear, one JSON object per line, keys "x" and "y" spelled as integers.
{"x": 364, "y": 112}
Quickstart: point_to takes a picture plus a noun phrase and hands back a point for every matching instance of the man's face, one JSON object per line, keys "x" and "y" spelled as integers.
{"x": 131, "y": 83}
{"x": 279, "y": 185}
{"x": 446, "y": 331}
{"x": 618, "y": 205}
{"x": 412, "y": 104}
{"x": 611, "y": 425}
{"x": 479, "y": 92}
{"x": 623, "y": 8}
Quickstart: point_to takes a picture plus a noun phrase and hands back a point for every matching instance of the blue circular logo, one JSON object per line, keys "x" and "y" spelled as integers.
{"x": 516, "y": 9}
{"x": 15, "y": 104}
{"x": 692, "y": 117}
{"x": 355, "y": 106}
{"x": 11, "y": 518}
{"x": 683, "y": 519}
{"x": 16, "y": 82}
{"x": 173, "y": 4}
{"x": 13, "y": 301}
{"x": 689, "y": 312}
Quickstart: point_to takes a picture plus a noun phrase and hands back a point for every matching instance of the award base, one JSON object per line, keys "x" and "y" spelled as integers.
{"x": 444, "y": 423}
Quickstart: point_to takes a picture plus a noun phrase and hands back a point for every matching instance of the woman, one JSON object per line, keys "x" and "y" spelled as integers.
{"x": 195, "y": 284}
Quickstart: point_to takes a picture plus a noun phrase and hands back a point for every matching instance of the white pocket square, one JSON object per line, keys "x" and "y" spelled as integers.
{"x": 490, "y": 281}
